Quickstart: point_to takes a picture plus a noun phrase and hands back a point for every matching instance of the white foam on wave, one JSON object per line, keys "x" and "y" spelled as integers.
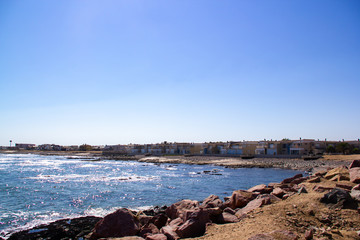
{"x": 91, "y": 178}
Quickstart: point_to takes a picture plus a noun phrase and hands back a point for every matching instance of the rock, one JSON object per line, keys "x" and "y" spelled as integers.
{"x": 65, "y": 228}
{"x": 315, "y": 179}
{"x": 357, "y": 187}
{"x": 355, "y": 174}
{"x": 239, "y": 199}
{"x": 212, "y": 201}
{"x": 262, "y": 188}
{"x": 354, "y": 164}
{"x": 339, "y": 198}
{"x": 289, "y": 180}
{"x": 148, "y": 229}
{"x": 177, "y": 209}
{"x": 159, "y": 236}
{"x": 278, "y": 192}
{"x": 159, "y": 220}
{"x": 299, "y": 180}
{"x": 338, "y": 178}
{"x": 343, "y": 172}
{"x": 144, "y": 219}
{"x": 229, "y": 210}
{"x": 170, "y": 233}
{"x": 355, "y": 194}
{"x": 319, "y": 188}
{"x": 344, "y": 186}
{"x": 120, "y": 223}
{"x": 261, "y": 200}
{"x": 302, "y": 190}
{"x": 176, "y": 223}
{"x": 228, "y": 218}
{"x": 309, "y": 234}
{"x": 125, "y": 238}
{"x": 195, "y": 226}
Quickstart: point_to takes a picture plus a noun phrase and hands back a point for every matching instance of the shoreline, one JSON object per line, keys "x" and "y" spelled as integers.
{"x": 292, "y": 208}
{"x": 321, "y": 164}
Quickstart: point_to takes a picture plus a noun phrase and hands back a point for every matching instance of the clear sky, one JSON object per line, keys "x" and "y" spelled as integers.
{"x": 119, "y": 72}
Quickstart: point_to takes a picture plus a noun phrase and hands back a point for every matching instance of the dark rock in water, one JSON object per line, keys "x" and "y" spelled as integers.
{"x": 120, "y": 223}
{"x": 339, "y": 198}
{"x": 155, "y": 210}
{"x": 61, "y": 229}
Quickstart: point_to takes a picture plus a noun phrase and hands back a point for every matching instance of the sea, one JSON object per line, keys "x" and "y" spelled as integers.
{"x": 37, "y": 189}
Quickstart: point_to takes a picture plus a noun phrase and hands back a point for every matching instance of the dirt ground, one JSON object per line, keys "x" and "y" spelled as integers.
{"x": 297, "y": 214}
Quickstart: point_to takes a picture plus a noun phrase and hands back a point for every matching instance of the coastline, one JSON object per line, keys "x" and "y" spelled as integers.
{"x": 321, "y": 164}
{"x": 291, "y": 209}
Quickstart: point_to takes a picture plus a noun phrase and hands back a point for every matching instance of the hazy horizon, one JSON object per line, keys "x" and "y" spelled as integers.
{"x": 120, "y": 72}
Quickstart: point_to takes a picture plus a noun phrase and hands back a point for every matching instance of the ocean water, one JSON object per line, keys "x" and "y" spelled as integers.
{"x": 38, "y": 189}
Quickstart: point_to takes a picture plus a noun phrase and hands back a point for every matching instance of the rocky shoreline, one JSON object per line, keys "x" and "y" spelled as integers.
{"x": 321, "y": 206}
{"x": 327, "y": 161}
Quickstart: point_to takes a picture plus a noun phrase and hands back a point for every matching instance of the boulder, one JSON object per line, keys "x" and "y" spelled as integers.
{"x": 144, "y": 219}
{"x": 355, "y": 163}
{"x": 261, "y": 200}
{"x": 125, "y": 238}
{"x": 228, "y": 218}
{"x": 262, "y": 188}
{"x": 195, "y": 226}
{"x": 299, "y": 180}
{"x": 66, "y": 228}
{"x": 148, "y": 229}
{"x": 339, "y": 198}
{"x": 169, "y": 232}
{"x": 344, "y": 186}
{"x": 342, "y": 172}
{"x": 159, "y": 220}
{"x": 355, "y": 174}
{"x": 176, "y": 223}
{"x": 355, "y": 193}
{"x": 314, "y": 179}
{"x": 212, "y": 201}
{"x": 239, "y": 199}
{"x": 309, "y": 234}
{"x": 302, "y": 190}
{"x": 229, "y": 210}
{"x": 120, "y": 223}
{"x": 278, "y": 192}
{"x": 289, "y": 180}
{"x": 319, "y": 188}
{"x": 177, "y": 209}
{"x": 159, "y": 236}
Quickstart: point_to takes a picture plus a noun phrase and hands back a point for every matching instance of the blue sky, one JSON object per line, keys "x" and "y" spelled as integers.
{"x": 110, "y": 72}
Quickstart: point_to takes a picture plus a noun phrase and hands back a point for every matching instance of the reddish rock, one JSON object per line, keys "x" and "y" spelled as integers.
{"x": 159, "y": 220}
{"x": 229, "y": 218}
{"x": 355, "y": 194}
{"x": 148, "y": 229}
{"x": 319, "y": 188}
{"x": 239, "y": 199}
{"x": 344, "y": 186}
{"x": 354, "y": 164}
{"x": 262, "y": 188}
{"x": 299, "y": 180}
{"x": 357, "y": 187}
{"x": 195, "y": 226}
{"x": 229, "y": 210}
{"x": 177, "y": 209}
{"x": 156, "y": 237}
{"x": 212, "y": 201}
{"x": 120, "y": 223}
{"x": 144, "y": 219}
{"x": 289, "y": 180}
{"x": 261, "y": 200}
{"x": 342, "y": 171}
{"x": 315, "y": 179}
{"x": 355, "y": 174}
{"x": 170, "y": 233}
{"x": 279, "y": 192}
{"x": 176, "y": 223}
